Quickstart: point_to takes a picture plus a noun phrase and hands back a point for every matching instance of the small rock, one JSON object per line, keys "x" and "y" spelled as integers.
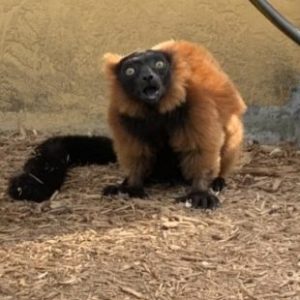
{"x": 277, "y": 152}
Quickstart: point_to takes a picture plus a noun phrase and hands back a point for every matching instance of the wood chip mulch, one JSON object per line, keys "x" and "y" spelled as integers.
{"x": 83, "y": 246}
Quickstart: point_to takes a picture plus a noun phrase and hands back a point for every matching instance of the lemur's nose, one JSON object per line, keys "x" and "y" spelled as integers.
{"x": 148, "y": 77}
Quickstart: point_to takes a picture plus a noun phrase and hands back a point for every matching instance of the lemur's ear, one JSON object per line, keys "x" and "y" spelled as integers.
{"x": 110, "y": 61}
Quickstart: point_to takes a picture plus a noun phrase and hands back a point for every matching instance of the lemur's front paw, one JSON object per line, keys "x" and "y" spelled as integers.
{"x": 200, "y": 199}
{"x": 134, "y": 191}
{"x": 218, "y": 184}
{"x": 111, "y": 190}
{"x": 131, "y": 191}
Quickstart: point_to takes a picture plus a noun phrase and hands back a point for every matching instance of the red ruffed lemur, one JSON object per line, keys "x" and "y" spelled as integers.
{"x": 175, "y": 116}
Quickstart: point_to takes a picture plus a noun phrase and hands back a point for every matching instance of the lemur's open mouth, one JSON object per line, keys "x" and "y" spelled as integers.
{"x": 151, "y": 91}
{"x": 152, "y": 94}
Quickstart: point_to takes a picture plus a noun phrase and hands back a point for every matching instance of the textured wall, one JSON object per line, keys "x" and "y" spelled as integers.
{"x": 49, "y": 50}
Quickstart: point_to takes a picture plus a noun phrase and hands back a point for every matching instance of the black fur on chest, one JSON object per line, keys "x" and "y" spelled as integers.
{"x": 156, "y": 128}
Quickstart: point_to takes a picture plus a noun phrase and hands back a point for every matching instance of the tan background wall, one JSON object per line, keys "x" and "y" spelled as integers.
{"x": 49, "y": 49}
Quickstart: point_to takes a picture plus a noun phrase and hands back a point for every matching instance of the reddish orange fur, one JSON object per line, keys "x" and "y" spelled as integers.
{"x": 211, "y": 139}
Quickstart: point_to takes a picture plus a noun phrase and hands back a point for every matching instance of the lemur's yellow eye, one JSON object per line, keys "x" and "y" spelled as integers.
{"x": 159, "y": 64}
{"x": 129, "y": 71}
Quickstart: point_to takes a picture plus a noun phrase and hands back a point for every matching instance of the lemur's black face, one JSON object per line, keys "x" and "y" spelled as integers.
{"x": 145, "y": 76}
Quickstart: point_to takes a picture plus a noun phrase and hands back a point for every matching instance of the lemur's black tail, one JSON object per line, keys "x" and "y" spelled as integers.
{"x": 45, "y": 171}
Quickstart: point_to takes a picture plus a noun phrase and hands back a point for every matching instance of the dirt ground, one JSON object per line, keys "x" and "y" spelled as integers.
{"x": 83, "y": 246}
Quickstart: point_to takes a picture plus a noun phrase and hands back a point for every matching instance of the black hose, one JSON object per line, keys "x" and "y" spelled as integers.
{"x": 277, "y": 19}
